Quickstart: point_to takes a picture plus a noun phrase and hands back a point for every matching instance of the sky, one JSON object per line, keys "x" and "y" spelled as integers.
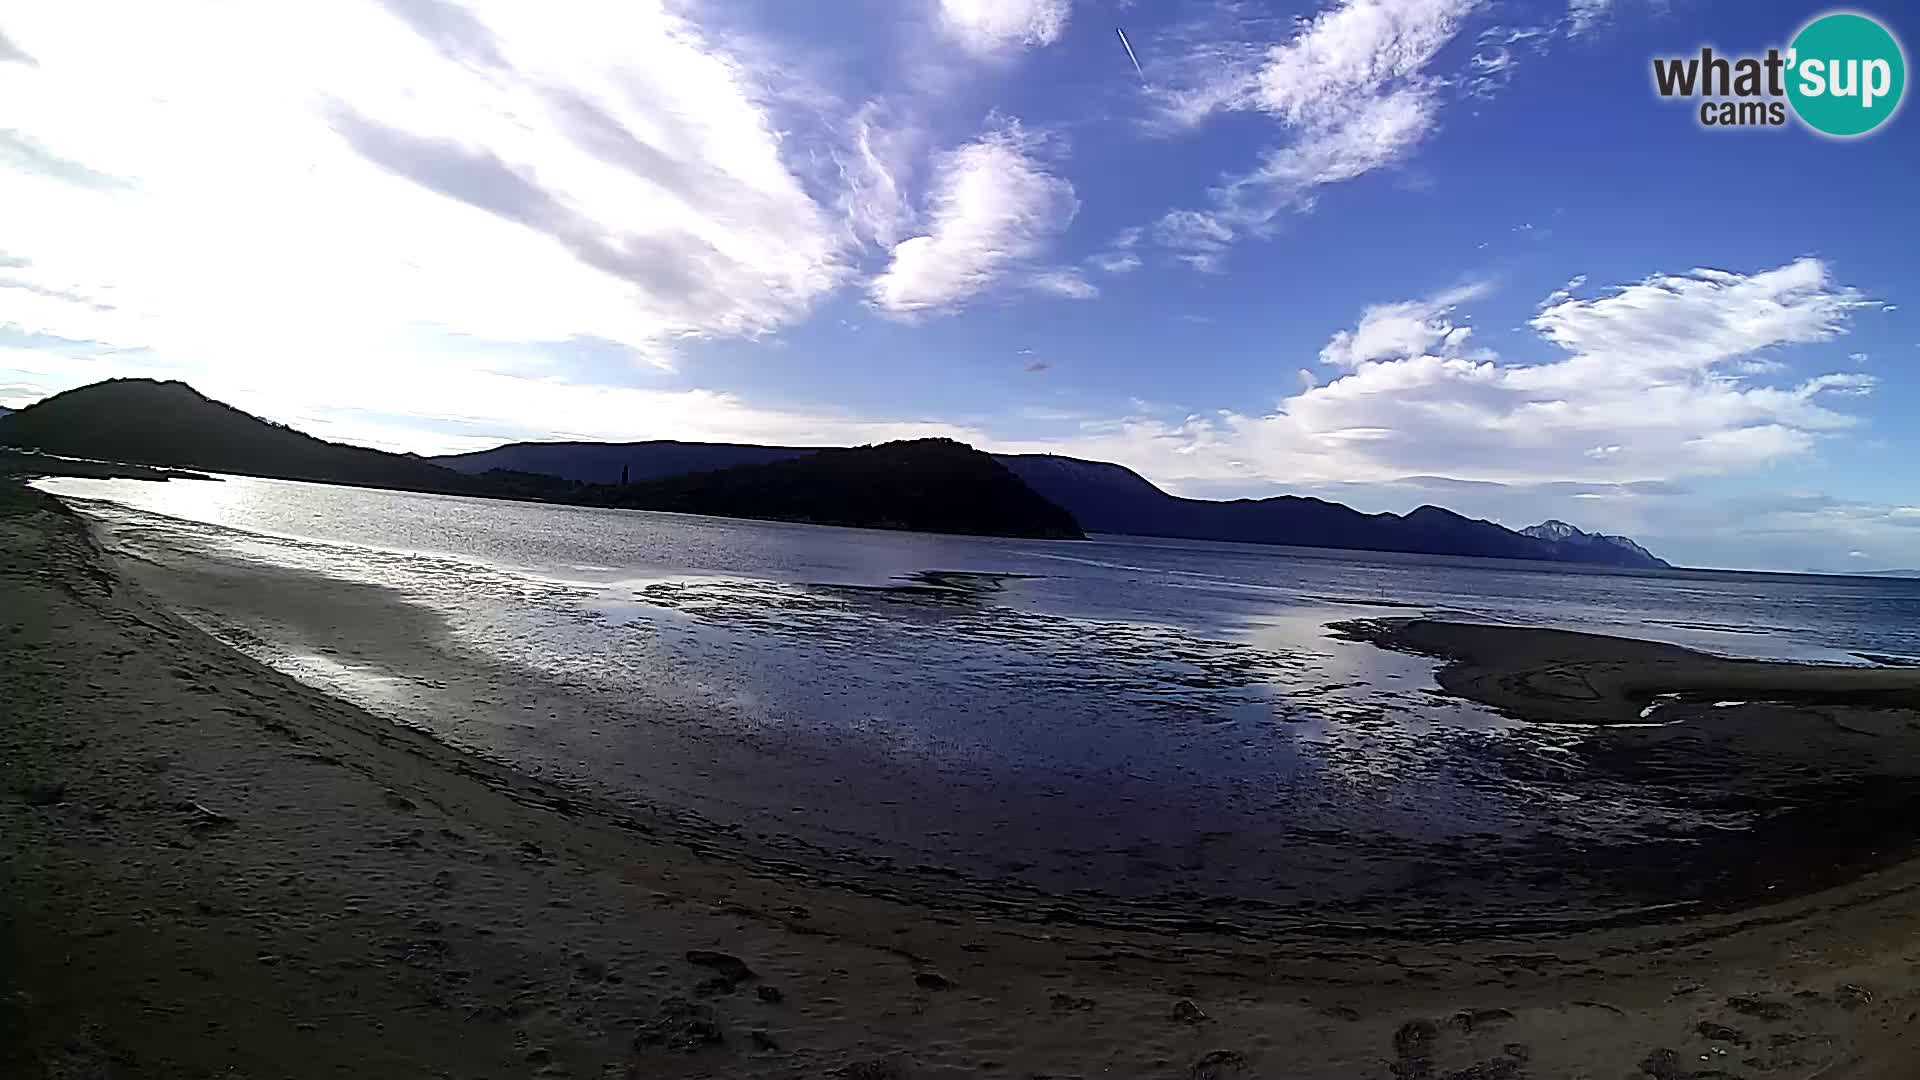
{"x": 1389, "y": 252}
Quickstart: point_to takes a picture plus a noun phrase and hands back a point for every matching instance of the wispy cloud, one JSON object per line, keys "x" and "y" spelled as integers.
{"x": 24, "y": 153}
{"x": 479, "y": 171}
{"x": 1114, "y": 262}
{"x": 991, "y": 26}
{"x": 1583, "y": 16}
{"x": 994, "y": 205}
{"x": 13, "y": 54}
{"x": 1066, "y": 282}
{"x": 1351, "y": 89}
{"x": 1405, "y": 329}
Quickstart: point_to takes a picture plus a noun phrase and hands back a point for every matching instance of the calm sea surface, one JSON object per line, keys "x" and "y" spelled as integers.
{"x": 1129, "y": 715}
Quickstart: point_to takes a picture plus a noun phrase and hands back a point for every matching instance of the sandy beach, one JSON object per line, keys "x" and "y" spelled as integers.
{"x": 209, "y": 869}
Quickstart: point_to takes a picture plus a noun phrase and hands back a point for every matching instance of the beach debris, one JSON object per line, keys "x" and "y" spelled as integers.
{"x": 1187, "y": 1012}
{"x": 680, "y": 1025}
{"x": 1414, "y": 1039}
{"x": 1764, "y": 1008}
{"x": 1473, "y": 1018}
{"x": 1713, "y": 1032}
{"x": 1218, "y": 1064}
{"x": 761, "y": 1040}
{"x": 1495, "y": 1068}
{"x": 1855, "y": 996}
{"x": 1070, "y": 1003}
{"x": 1664, "y": 1064}
{"x": 728, "y": 971}
{"x": 885, "y": 1068}
{"x": 1413, "y": 1049}
{"x": 931, "y": 980}
{"x": 44, "y": 793}
{"x": 769, "y": 994}
{"x": 203, "y": 818}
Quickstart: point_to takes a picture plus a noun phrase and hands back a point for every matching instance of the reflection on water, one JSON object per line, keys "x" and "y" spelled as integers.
{"x": 1139, "y": 717}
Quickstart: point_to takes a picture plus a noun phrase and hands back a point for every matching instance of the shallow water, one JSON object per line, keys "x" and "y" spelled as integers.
{"x": 1137, "y": 717}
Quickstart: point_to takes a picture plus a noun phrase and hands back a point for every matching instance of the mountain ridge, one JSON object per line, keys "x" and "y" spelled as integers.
{"x": 1603, "y": 546}
{"x": 940, "y": 484}
{"x": 1107, "y": 497}
{"x": 929, "y": 485}
{"x": 169, "y": 424}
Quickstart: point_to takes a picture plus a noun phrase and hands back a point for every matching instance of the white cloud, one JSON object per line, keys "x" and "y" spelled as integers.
{"x": 1676, "y": 325}
{"x": 994, "y": 205}
{"x": 875, "y": 167}
{"x": 992, "y": 26}
{"x": 492, "y": 172}
{"x": 1647, "y": 390}
{"x": 1492, "y": 65}
{"x": 1114, "y": 262}
{"x": 1200, "y": 238}
{"x": 1408, "y": 328}
{"x": 1119, "y": 258}
{"x": 1351, "y": 88}
{"x": 1065, "y": 282}
{"x": 1584, "y": 15}
{"x": 1352, "y": 53}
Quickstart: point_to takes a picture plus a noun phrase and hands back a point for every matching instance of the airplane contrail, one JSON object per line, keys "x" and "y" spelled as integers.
{"x": 1130, "y": 56}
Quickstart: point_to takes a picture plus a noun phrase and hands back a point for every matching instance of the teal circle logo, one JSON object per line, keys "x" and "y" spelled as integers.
{"x": 1845, "y": 74}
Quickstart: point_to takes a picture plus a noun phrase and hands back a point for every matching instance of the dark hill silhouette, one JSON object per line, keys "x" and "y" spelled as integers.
{"x": 930, "y": 485}
{"x": 1105, "y": 497}
{"x": 146, "y": 422}
{"x": 1112, "y": 498}
{"x": 603, "y": 463}
{"x": 934, "y": 485}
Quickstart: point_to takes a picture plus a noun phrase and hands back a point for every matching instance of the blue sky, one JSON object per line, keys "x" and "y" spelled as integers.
{"x": 1385, "y": 251}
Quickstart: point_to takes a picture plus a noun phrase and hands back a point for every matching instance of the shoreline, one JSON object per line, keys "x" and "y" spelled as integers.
{"x": 197, "y": 845}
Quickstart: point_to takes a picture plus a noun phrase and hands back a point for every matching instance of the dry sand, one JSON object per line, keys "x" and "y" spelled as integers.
{"x": 208, "y": 869}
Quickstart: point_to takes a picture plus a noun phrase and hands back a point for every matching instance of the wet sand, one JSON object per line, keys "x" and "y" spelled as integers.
{"x": 209, "y": 869}
{"x": 1559, "y": 676}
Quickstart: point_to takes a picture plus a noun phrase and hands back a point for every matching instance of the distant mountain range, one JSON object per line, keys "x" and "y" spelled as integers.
{"x": 1108, "y": 498}
{"x": 928, "y": 485}
{"x": 1617, "y": 550}
{"x": 1105, "y": 497}
{"x": 934, "y": 485}
{"x": 613, "y": 463}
